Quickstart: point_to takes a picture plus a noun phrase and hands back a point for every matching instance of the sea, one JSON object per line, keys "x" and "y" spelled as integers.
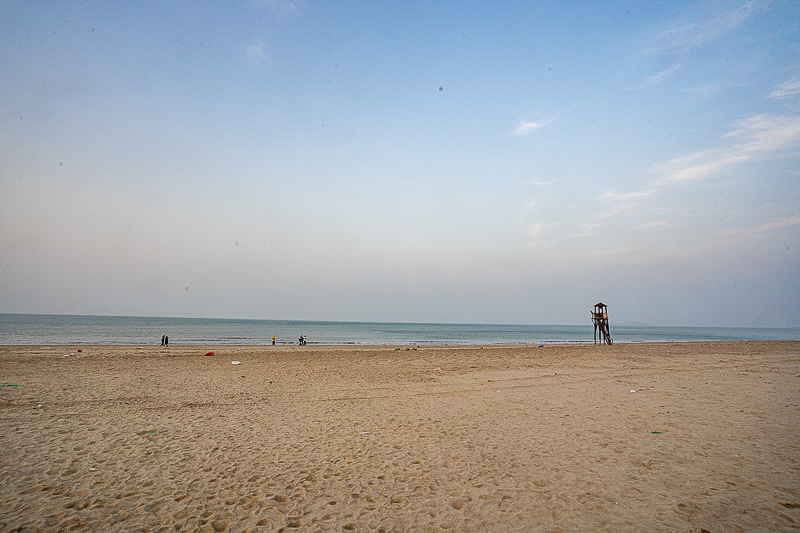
{"x": 27, "y": 329}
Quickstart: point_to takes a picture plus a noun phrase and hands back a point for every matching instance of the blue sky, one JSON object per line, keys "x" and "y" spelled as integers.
{"x": 499, "y": 162}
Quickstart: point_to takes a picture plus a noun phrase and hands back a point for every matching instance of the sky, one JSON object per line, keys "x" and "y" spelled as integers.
{"x": 468, "y": 162}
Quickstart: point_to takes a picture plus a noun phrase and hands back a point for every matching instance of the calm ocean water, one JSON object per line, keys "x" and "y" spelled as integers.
{"x": 69, "y": 330}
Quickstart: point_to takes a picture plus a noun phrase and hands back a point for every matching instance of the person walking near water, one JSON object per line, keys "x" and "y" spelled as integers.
{"x": 166, "y": 340}
{"x": 162, "y": 339}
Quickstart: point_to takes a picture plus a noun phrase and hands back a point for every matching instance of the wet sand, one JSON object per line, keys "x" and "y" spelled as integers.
{"x": 639, "y": 437}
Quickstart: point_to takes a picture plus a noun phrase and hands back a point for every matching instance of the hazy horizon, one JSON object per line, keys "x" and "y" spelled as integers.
{"x": 488, "y": 163}
{"x": 587, "y": 324}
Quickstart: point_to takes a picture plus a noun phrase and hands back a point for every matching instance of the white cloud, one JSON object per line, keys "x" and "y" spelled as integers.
{"x": 657, "y": 224}
{"x": 614, "y": 196}
{"x": 754, "y": 231}
{"x": 528, "y": 127}
{"x": 281, "y": 7}
{"x": 786, "y": 89}
{"x": 655, "y": 78}
{"x": 692, "y": 35}
{"x": 531, "y": 204}
{"x": 761, "y": 137}
{"x": 766, "y": 133}
{"x": 535, "y": 229}
{"x": 255, "y": 53}
{"x": 620, "y": 208}
{"x": 695, "y": 166}
{"x": 543, "y": 183}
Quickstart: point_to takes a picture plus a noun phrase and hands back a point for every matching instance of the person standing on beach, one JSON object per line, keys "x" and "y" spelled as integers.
{"x": 162, "y": 339}
{"x": 166, "y": 340}
{"x": 273, "y": 340}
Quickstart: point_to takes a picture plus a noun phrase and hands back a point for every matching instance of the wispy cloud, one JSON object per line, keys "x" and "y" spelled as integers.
{"x": 782, "y": 223}
{"x": 531, "y": 204}
{"x": 689, "y": 36}
{"x": 534, "y": 230}
{"x": 543, "y": 183}
{"x": 761, "y": 136}
{"x": 694, "y": 166}
{"x": 766, "y": 133}
{"x": 619, "y": 209}
{"x": 528, "y": 127}
{"x": 762, "y": 228}
{"x": 281, "y": 7}
{"x": 786, "y": 89}
{"x": 658, "y": 224}
{"x": 655, "y": 78}
{"x": 614, "y": 196}
{"x": 256, "y": 53}
{"x": 622, "y": 202}
{"x": 758, "y": 137}
{"x": 587, "y": 231}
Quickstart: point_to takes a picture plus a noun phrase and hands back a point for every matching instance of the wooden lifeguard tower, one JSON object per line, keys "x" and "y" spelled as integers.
{"x": 600, "y": 320}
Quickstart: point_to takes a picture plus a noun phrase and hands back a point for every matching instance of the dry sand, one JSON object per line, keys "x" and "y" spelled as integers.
{"x": 381, "y": 439}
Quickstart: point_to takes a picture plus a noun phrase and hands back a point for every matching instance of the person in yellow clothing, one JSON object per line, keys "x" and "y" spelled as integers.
{"x": 273, "y": 340}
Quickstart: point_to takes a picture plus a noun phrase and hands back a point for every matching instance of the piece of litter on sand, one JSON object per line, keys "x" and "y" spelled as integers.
{"x": 92, "y": 469}
{"x": 236, "y": 362}
{"x": 8, "y": 385}
{"x": 363, "y": 432}
{"x": 656, "y": 432}
{"x": 209, "y": 353}
{"x": 633, "y": 390}
{"x": 69, "y": 355}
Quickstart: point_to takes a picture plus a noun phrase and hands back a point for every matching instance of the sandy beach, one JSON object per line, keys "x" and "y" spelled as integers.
{"x": 684, "y": 437}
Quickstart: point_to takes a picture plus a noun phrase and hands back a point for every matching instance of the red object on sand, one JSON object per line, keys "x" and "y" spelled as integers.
{"x": 210, "y": 353}
{"x": 80, "y": 351}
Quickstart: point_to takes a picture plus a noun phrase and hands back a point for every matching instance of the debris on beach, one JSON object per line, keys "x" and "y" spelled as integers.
{"x": 236, "y": 362}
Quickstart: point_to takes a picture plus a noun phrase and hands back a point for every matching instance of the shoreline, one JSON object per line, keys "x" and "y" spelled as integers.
{"x": 674, "y": 436}
{"x": 354, "y": 346}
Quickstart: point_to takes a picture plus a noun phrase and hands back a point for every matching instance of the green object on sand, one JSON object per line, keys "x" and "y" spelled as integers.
{"x": 656, "y": 432}
{"x": 8, "y": 385}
